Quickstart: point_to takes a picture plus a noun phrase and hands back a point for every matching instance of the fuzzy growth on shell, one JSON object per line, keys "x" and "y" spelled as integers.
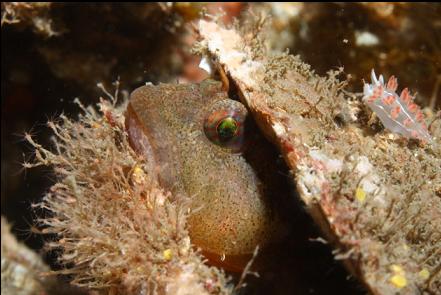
{"x": 377, "y": 200}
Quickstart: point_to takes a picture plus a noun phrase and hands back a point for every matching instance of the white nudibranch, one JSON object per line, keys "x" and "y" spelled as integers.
{"x": 398, "y": 113}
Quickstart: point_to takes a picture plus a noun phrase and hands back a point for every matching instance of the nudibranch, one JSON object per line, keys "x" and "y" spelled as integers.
{"x": 398, "y": 113}
{"x": 204, "y": 145}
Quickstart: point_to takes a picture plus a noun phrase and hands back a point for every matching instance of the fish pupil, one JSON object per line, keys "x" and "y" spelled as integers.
{"x": 226, "y": 129}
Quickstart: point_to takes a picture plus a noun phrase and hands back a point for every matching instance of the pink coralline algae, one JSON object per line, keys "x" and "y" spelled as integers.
{"x": 398, "y": 113}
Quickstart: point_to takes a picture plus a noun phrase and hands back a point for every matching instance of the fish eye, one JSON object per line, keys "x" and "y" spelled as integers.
{"x": 227, "y": 129}
{"x": 224, "y": 124}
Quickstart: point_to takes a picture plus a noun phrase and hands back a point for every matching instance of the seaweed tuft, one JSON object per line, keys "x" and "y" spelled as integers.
{"x": 116, "y": 228}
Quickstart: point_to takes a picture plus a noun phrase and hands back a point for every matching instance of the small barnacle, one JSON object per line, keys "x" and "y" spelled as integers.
{"x": 398, "y": 279}
{"x": 398, "y": 113}
{"x": 167, "y": 254}
{"x": 138, "y": 175}
{"x": 424, "y": 274}
{"x": 360, "y": 194}
{"x": 397, "y": 269}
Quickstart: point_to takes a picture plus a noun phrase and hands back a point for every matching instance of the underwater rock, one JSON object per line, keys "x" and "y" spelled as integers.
{"x": 24, "y": 272}
{"x": 21, "y": 267}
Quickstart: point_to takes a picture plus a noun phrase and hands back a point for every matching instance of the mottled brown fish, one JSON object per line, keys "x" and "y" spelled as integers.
{"x": 204, "y": 145}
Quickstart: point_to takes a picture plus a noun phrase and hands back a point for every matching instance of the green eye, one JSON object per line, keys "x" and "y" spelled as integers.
{"x": 224, "y": 125}
{"x": 227, "y": 128}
